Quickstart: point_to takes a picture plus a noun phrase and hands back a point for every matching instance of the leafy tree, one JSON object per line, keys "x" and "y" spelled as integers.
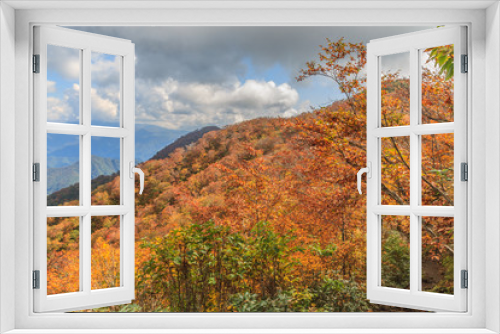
{"x": 443, "y": 58}
{"x": 264, "y": 215}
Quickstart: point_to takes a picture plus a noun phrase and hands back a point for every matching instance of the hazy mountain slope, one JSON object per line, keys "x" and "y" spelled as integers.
{"x": 183, "y": 141}
{"x": 62, "y": 177}
{"x": 64, "y": 180}
{"x": 149, "y": 139}
{"x": 104, "y": 166}
{"x": 72, "y": 192}
{"x": 64, "y": 150}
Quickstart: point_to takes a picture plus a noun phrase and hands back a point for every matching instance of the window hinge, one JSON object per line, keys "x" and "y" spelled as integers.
{"x": 465, "y": 64}
{"x": 36, "y": 279}
{"x": 464, "y": 173}
{"x": 36, "y": 172}
{"x": 36, "y": 63}
{"x": 465, "y": 279}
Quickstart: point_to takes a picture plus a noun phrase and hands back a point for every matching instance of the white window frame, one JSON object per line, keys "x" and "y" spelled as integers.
{"x": 86, "y": 44}
{"x": 413, "y": 44}
{"x": 483, "y": 123}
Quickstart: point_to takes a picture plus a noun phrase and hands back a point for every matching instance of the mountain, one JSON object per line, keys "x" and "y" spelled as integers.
{"x": 250, "y": 217}
{"x": 63, "y": 181}
{"x": 104, "y": 166}
{"x": 63, "y": 150}
{"x": 272, "y": 194}
{"x": 150, "y": 138}
{"x": 183, "y": 141}
{"x": 73, "y": 191}
{"x": 62, "y": 177}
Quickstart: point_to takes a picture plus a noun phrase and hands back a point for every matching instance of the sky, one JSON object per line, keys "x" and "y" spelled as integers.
{"x": 190, "y": 77}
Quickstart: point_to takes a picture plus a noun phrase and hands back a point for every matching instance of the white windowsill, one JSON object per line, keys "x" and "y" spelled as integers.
{"x": 250, "y": 331}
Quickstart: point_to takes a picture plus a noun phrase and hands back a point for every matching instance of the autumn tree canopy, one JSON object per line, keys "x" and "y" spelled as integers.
{"x": 264, "y": 215}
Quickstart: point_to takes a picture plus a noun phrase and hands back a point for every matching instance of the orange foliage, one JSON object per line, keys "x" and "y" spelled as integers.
{"x": 298, "y": 175}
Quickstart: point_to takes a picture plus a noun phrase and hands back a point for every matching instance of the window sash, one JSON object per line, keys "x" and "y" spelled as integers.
{"x": 86, "y": 297}
{"x": 413, "y": 298}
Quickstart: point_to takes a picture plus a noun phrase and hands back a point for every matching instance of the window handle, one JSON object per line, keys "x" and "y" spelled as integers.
{"x": 368, "y": 171}
{"x": 133, "y": 170}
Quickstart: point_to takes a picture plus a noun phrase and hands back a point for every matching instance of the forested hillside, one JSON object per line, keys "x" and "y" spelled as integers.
{"x": 104, "y": 170}
{"x": 183, "y": 141}
{"x": 264, "y": 215}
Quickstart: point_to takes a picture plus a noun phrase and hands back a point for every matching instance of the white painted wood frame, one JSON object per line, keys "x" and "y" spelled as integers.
{"x": 86, "y": 43}
{"x": 483, "y": 20}
{"x": 413, "y": 44}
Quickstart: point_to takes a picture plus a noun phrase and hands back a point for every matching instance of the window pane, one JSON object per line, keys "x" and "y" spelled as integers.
{"x": 105, "y": 171}
{"x": 437, "y": 66}
{"x": 395, "y": 171}
{"x": 395, "y": 252}
{"x": 437, "y": 254}
{"x": 63, "y": 169}
{"x": 63, "y": 84}
{"x": 63, "y": 255}
{"x": 395, "y": 89}
{"x": 437, "y": 169}
{"x": 105, "y": 252}
{"x": 105, "y": 91}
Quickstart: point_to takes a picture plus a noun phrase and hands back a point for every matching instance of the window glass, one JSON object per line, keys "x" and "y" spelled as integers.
{"x": 395, "y": 252}
{"x": 105, "y": 252}
{"x": 395, "y": 89}
{"x": 395, "y": 171}
{"x": 63, "y": 84}
{"x": 437, "y": 77}
{"x": 63, "y": 255}
{"x": 105, "y": 171}
{"x": 63, "y": 169}
{"x": 438, "y": 169}
{"x": 105, "y": 92}
{"x": 437, "y": 254}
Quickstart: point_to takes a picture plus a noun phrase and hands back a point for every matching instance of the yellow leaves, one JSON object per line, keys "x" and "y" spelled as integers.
{"x": 63, "y": 270}
{"x": 339, "y": 61}
{"x": 105, "y": 265}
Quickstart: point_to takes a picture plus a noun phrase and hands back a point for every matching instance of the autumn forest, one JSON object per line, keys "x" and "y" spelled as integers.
{"x": 264, "y": 215}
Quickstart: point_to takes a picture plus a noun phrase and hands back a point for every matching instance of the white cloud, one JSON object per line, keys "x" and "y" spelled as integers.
{"x": 65, "y": 109}
{"x": 57, "y": 109}
{"x": 105, "y": 90}
{"x": 180, "y": 105}
{"x": 64, "y": 64}
{"x": 104, "y": 107}
{"x": 51, "y": 86}
{"x": 215, "y": 54}
{"x": 105, "y": 70}
{"x": 303, "y": 107}
{"x": 64, "y": 61}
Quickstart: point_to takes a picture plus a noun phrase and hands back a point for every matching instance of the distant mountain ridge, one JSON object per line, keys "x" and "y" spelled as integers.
{"x": 62, "y": 177}
{"x": 184, "y": 141}
{"x": 150, "y": 138}
{"x": 71, "y": 190}
{"x": 63, "y": 150}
